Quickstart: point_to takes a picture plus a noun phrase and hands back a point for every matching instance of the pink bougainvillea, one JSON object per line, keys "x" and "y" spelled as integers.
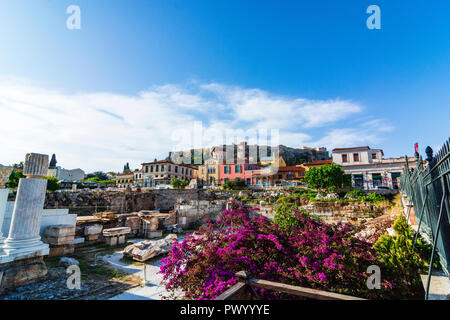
{"x": 311, "y": 254}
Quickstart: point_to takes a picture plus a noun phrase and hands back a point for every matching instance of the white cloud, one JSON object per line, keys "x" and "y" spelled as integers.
{"x": 102, "y": 131}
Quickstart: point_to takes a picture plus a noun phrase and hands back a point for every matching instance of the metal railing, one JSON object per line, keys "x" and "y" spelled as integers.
{"x": 428, "y": 189}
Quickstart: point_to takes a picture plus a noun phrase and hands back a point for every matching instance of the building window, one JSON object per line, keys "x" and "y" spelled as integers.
{"x": 146, "y": 169}
{"x": 151, "y": 168}
{"x": 211, "y": 170}
{"x": 374, "y": 156}
{"x": 226, "y": 170}
{"x": 162, "y": 168}
{"x": 170, "y": 168}
{"x": 182, "y": 170}
{"x": 176, "y": 169}
{"x": 356, "y": 157}
{"x": 344, "y": 158}
{"x": 157, "y": 168}
{"x": 237, "y": 169}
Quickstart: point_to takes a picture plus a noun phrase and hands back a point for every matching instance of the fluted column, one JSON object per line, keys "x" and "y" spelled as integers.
{"x": 23, "y": 240}
{"x": 5, "y": 172}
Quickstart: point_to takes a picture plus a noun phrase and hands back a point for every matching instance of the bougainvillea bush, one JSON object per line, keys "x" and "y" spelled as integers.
{"x": 310, "y": 254}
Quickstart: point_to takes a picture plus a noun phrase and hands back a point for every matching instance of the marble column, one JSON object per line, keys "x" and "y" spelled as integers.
{"x": 5, "y": 172}
{"x": 23, "y": 240}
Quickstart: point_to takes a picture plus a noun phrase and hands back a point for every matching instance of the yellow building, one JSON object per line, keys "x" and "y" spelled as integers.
{"x": 208, "y": 173}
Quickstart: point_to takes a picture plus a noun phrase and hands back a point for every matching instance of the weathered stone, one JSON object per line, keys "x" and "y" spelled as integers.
{"x": 67, "y": 262}
{"x": 112, "y": 241}
{"x": 21, "y": 272}
{"x": 59, "y": 230}
{"x": 144, "y": 250}
{"x": 36, "y": 165}
{"x": 93, "y": 229}
{"x": 78, "y": 240}
{"x": 155, "y": 234}
{"x": 56, "y": 251}
{"x": 5, "y": 173}
{"x": 57, "y": 241}
{"x": 116, "y": 231}
{"x": 93, "y": 237}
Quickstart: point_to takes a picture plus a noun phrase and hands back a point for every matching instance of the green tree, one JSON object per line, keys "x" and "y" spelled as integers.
{"x": 52, "y": 184}
{"x": 14, "y": 178}
{"x": 236, "y": 184}
{"x": 327, "y": 177}
{"x": 178, "y": 183}
{"x": 99, "y": 174}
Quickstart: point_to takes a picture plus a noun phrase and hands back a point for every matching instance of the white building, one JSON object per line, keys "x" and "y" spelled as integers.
{"x": 65, "y": 174}
{"x": 368, "y": 168}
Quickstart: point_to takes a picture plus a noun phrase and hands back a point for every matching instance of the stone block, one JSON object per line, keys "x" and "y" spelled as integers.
{"x": 59, "y": 230}
{"x": 112, "y": 241}
{"x": 92, "y": 237}
{"x": 36, "y": 165}
{"x": 116, "y": 231}
{"x": 93, "y": 229}
{"x": 22, "y": 272}
{"x": 58, "y": 241}
{"x": 5, "y": 172}
{"x": 78, "y": 240}
{"x": 121, "y": 240}
{"x": 56, "y": 251}
{"x": 155, "y": 234}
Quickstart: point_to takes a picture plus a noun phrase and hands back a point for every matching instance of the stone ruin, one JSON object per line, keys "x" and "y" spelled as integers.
{"x": 21, "y": 253}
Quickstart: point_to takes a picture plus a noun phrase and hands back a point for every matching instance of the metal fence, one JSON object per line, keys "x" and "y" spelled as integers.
{"x": 427, "y": 187}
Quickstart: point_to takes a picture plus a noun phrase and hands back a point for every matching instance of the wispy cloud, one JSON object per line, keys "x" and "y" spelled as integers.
{"x": 102, "y": 131}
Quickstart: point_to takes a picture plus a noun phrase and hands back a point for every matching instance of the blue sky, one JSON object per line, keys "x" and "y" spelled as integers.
{"x": 138, "y": 71}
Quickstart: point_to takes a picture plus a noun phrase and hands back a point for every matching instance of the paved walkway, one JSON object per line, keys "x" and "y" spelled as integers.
{"x": 439, "y": 286}
{"x": 152, "y": 290}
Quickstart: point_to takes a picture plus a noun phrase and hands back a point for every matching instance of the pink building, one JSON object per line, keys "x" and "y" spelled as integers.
{"x": 243, "y": 171}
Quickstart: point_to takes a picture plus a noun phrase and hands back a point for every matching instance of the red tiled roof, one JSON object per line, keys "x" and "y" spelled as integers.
{"x": 125, "y": 174}
{"x": 364, "y": 147}
{"x": 318, "y": 162}
{"x": 291, "y": 168}
{"x": 169, "y": 162}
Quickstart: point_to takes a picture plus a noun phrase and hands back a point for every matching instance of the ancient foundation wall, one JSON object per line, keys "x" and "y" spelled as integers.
{"x": 89, "y": 202}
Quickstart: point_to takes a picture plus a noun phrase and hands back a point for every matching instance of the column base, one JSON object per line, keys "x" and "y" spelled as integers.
{"x": 23, "y": 249}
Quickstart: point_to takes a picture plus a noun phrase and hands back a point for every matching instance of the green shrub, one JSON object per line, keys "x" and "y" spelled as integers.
{"x": 178, "y": 183}
{"x": 236, "y": 184}
{"x": 397, "y": 254}
{"x": 286, "y": 215}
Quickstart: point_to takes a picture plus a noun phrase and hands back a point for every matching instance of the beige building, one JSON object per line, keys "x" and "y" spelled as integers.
{"x": 161, "y": 172}
{"x": 124, "y": 180}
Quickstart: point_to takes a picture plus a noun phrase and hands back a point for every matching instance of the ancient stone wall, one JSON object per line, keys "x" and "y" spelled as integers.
{"x": 90, "y": 201}
{"x": 338, "y": 211}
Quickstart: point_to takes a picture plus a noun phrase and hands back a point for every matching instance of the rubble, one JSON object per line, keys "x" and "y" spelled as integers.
{"x": 145, "y": 250}
{"x": 374, "y": 228}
